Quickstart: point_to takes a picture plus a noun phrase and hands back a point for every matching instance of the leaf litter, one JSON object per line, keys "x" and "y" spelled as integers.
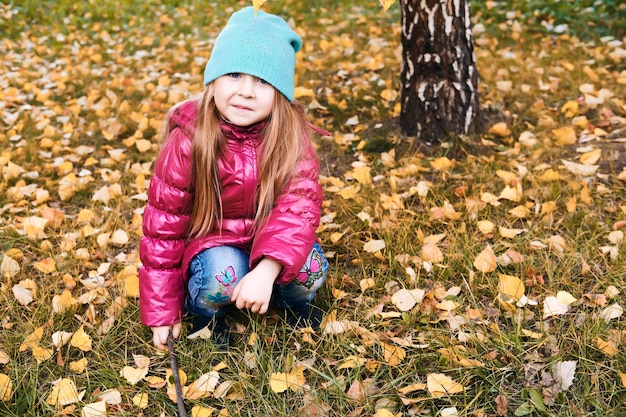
{"x": 455, "y": 252}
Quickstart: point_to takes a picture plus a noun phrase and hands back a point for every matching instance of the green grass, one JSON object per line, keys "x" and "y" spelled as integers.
{"x": 95, "y": 67}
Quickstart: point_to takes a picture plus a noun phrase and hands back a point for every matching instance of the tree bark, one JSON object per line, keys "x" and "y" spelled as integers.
{"x": 439, "y": 90}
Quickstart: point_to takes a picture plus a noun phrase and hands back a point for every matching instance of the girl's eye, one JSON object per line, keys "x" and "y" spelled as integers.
{"x": 262, "y": 81}
{"x": 234, "y": 75}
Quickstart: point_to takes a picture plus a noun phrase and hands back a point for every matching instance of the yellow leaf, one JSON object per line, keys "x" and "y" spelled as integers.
{"x": 520, "y": 212}
{"x": 97, "y": 409}
{"x": 34, "y": 227}
{"x": 386, "y": 4}
{"x": 486, "y": 227}
{"x": 362, "y": 174}
{"x": 143, "y": 145}
{"x": 79, "y": 366}
{"x": 303, "y": 92}
{"x": 366, "y": 284}
{"x": 570, "y": 108}
{"x": 202, "y": 387}
{"x": 141, "y": 400}
{"x": 6, "y": 388}
{"x": 349, "y": 192}
{"x": 32, "y": 339}
{"x": 257, "y": 4}
{"x": 133, "y": 375}
{"x": 531, "y": 334}
{"x": 280, "y": 382}
{"x": 41, "y": 354}
{"x": 486, "y": 260}
{"x": 565, "y": 135}
{"x": 510, "y": 288}
{"x": 4, "y": 357}
{"x": 63, "y": 302}
{"x": 440, "y": 385}
{"x": 46, "y": 266}
{"x": 606, "y": 347}
{"x": 622, "y": 377}
{"x": 510, "y": 233}
{"x": 394, "y": 355}
{"x": 64, "y": 393}
{"x": 500, "y": 129}
{"x": 550, "y": 175}
{"x": 200, "y": 411}
{"x": 352, "y": 362}
{"x": 441, "y": 164}
{"x": 374, "y": 246}
{"x": 591, "y": 157}
{"x": 81, "y": 340}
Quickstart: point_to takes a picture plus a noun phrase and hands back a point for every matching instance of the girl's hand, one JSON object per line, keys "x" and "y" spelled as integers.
{"x": 160, "y": 334}
{"x": 255, "y": 288}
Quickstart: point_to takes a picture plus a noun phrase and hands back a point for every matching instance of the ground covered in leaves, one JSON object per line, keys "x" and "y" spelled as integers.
{"x": 482, "y": 277}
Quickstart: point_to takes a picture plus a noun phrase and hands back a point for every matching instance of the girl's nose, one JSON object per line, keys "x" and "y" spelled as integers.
{"x": 246, "y": 87}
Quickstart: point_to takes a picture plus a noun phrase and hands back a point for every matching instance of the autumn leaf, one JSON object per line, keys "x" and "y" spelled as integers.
{"x": 97, "y": 409}
{"x": 405, "y": 299}
{"x": 486, "y": 260}
{"x": 294, "y": 380}
{"x": 394, "y": 355}
{"x": 63, "y": 393}
{"x": 6, "y": 388}
{"x": 141, "y": 400}
{"x": 440, "y": 385}
{"x": 81, "y": 340}
{"x": 374, "y": 246}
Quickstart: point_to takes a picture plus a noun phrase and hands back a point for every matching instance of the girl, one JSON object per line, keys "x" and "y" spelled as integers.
{"x": 234, "y": 200}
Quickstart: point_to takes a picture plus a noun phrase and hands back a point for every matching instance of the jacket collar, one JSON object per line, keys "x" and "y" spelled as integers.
{"x": 254, "y": 131}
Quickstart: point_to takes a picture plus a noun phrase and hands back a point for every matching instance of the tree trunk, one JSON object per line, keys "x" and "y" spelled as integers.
{"x": 439, "y": 78}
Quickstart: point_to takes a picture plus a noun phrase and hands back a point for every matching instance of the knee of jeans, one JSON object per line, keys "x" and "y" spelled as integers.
{"x": 206, "y": 304}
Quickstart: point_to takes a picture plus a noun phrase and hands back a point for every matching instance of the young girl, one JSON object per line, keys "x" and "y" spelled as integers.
{"x": 234, "y": 200}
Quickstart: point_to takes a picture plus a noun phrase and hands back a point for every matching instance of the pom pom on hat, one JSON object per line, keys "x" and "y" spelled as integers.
{"x": 263, "y": 46}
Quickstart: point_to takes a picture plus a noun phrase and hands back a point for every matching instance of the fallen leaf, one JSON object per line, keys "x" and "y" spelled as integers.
{"x": 133, "y": 375}
{"x": 440, "y": 385}
{"x": 202, "y": 387}
{"x": 374, "y": 246}
{"x": 64, "y": 393}
{"x": 280, "y": 382}
{"x": 394, "y": 355}
{"x": 563, "y": 373}
{"x": 6, "y": 388}
{"x": 97, "y": 409}
{"x": 81, "y": 340}
{"x": 405, "y": 299}
{"x": 486, "y": 260}
{"x": 200, "y": 411}
{"x": 141, "y": 400}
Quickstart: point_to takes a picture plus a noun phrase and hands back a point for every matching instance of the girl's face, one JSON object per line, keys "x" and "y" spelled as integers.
{"x": 243, "y": 99}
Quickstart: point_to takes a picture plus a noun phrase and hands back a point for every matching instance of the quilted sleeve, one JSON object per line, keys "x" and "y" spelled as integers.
{"x": 288, "y": 233}
{"x": 165, "y": 227}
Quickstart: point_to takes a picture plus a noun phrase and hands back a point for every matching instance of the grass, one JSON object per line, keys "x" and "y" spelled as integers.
{"x": 103, "y": 74}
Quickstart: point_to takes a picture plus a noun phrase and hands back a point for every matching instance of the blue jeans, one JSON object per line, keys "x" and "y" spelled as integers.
{"x": 215, "y": 272}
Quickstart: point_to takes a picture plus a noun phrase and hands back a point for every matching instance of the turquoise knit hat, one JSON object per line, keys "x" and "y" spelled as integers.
{"x": 263, "y": 46}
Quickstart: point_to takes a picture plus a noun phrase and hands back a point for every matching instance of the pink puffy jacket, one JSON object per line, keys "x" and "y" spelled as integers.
{"x": 165, "y": 250}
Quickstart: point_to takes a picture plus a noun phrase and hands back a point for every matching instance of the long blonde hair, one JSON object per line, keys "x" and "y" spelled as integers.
{"x": 278, "y": 155}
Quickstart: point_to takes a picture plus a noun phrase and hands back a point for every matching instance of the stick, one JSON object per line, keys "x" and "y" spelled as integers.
{"x": 174, "y": 364}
